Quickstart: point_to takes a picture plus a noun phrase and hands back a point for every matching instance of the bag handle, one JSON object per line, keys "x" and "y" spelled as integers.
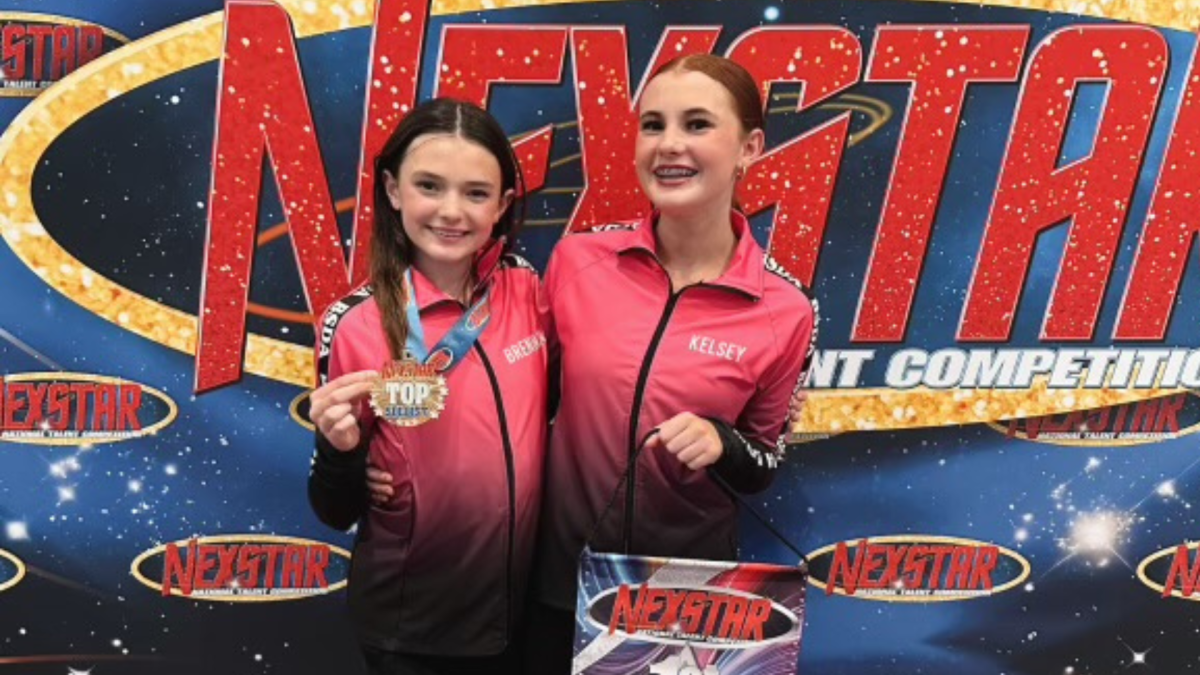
{"x": 725, "y": 487}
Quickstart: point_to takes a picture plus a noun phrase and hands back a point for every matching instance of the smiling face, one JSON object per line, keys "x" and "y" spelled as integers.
{"x": 449, "y": 195}
{"x": 690, "y": 144}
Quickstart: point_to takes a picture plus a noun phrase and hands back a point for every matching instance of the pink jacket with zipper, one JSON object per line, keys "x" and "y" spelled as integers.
{"x": 634, "y": 354}
{"x": 442, "y": 569}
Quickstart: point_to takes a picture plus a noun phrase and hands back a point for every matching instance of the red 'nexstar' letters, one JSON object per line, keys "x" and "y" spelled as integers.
{"x": 952, "y": 567}
{"x": 263, "y": 108}
{"x": 1156, "y": 416}
{"x": 79, "y": 406}
{"x": 1184, "y": 573}
{"x": 39, "y": 52}
{"x": 229, "y": 568}
{"x": 706, "y": 613}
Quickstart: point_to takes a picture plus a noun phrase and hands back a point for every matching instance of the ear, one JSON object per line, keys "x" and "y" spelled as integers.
{"x": 392, "y": 186}
{"x": 506, "y": 201}
{"x": 752, "y": 146}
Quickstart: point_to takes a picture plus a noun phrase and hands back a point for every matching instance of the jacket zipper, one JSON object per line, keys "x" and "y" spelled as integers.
{"x": 638, "y": 392}
{"x": 512, "y": 490}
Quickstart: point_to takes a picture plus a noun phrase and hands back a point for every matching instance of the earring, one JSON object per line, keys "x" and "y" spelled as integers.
{"x": 740, "y": 173}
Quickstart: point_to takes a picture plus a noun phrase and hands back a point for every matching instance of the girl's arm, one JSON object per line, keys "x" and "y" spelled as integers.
{"x": 337, "y": 489}
{"x": 753, "y": 448}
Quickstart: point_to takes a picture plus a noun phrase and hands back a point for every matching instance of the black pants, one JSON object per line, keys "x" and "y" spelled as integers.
{"x": 381, "y": 662}
{"x": 549, "y": 640}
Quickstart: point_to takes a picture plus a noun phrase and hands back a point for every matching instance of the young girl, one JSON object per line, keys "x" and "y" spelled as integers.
{"x": 440, "y": 565}
{"x": 677, "y": 322}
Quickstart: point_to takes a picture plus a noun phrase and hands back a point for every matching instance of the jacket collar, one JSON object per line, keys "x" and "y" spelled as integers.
{"x": 746, "y": 270}
{"x": 487, "y": 261}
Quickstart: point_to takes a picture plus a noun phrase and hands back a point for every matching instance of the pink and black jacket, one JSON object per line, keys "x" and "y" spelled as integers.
{"x": 442, "y": 569}
{"x": 634, "y": 354}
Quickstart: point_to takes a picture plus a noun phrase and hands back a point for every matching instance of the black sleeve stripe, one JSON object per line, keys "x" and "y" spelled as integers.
{"x": 775, "y": 268}
{"x": 766, "y": 460}
{"x": 812, "y": 344}
{"x": 329, "y": 324}
{"x": 610, "y": 227}
{"x": 512, "y": 260}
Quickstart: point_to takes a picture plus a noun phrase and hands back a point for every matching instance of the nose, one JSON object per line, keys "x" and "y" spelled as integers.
{"x": 672, "y": 140}
{"x": 450, "y": 206}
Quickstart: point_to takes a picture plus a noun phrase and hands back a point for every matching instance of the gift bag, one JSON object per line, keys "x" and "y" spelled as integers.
{"x": 675, "y": 616}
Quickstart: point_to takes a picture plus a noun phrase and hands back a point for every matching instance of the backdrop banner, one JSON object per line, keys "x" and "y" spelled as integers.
{"x": 995, "y": 204}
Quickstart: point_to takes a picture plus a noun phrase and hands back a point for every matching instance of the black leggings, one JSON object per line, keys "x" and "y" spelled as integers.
{"x": 381, "y": 662}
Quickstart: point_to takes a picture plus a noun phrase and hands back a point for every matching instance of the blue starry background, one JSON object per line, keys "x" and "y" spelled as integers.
{"x": 124, "y": 190}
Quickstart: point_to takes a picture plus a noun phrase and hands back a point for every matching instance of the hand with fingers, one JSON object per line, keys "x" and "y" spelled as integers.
{"x": 336, "y": 407}
{"x": 692, "y": 439}
{"x": 379, "y": 485}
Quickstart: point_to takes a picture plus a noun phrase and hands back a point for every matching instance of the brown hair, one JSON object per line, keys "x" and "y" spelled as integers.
{"x": 391, "y": 250}
{"x": 747, "y": 99}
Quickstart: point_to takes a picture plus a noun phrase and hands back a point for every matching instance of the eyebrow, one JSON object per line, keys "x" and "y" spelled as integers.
{"x": 689, "y": 111}
{"x": 418, "y": 175}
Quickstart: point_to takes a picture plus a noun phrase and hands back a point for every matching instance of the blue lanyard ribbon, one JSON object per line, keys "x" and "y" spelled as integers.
{"x": 453, "y": 347}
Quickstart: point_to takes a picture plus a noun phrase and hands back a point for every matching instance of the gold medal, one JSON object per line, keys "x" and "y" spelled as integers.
{"x": 409, "y": 394}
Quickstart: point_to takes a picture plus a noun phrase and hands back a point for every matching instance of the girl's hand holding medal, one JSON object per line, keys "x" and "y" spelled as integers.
{"x": 336, "y": 407}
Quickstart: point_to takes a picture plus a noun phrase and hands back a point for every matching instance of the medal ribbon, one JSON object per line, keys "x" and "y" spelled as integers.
{"x": 453, "y": 347}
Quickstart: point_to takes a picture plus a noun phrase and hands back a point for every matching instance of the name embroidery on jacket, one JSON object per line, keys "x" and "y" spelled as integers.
{"x": 721, "y": 349}
{"x": 525, "y": 347}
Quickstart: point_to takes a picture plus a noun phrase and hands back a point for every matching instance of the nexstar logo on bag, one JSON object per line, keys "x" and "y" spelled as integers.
{"x": 1146, "y": 421}
{"x": 243, "y": 568}
{"x": 691, "y": 615}
{"x": 686, "y": 617}
{"x": 72, "y": 408}
{"x": 37, "y": 50}
{"x": 916, "y": 568}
